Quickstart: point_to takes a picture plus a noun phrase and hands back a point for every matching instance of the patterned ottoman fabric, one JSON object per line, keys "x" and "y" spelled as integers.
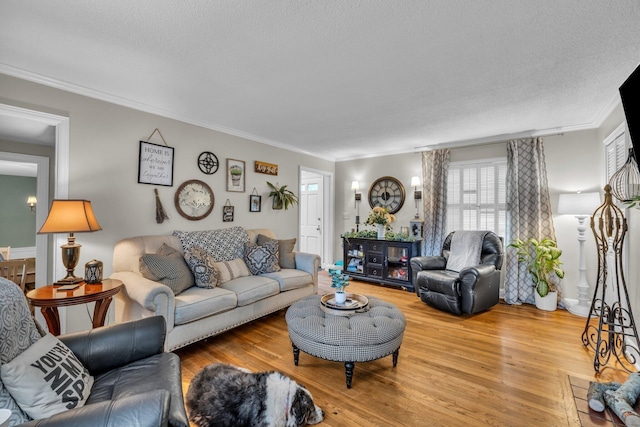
{"x": 359, "y": 338}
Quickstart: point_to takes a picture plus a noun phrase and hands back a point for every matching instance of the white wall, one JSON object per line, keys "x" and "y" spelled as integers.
{"x": 104, "y": 143}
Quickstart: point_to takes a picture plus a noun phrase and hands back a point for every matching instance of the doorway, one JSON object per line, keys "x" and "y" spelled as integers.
{"x": 316, "y": 220}
{"x": 61, "y": 182}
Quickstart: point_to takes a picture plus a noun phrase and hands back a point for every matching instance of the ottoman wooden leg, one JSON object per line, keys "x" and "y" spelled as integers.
{"x": 395, "y": 357}
{"x": 348, "y": 367}
{"x": 296, "y": 354}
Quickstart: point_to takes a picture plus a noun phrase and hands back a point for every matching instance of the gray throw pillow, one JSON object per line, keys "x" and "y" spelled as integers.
{"x": 202, "y": 266}
{"x": 262, "y": 258}
{"x": 286, "y": 258}
{"x": 167, "y": 267}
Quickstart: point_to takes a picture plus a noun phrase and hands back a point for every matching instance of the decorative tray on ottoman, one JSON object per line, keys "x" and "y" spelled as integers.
{"x": 355, "y": 303}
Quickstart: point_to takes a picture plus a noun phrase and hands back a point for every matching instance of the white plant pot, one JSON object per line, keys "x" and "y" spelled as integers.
{"x": 381, "y": 231}
{"x": 341, "y": 297}
{"x": 547, "y": 303}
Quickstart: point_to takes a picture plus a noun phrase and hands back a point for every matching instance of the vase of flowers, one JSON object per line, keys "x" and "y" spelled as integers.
{"x": 382, "y": 219}
{"x": 339, "y": 281}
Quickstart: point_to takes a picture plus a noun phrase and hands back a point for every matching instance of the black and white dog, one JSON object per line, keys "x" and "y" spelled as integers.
{"x": 224, "y": 395}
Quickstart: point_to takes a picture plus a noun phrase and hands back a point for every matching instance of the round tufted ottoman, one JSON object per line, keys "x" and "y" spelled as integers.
{"x": 361, "y": 337}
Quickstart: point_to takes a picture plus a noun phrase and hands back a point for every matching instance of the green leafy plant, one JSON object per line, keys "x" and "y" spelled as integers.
{"x": 633, "y": 202}
{"x": 542, "y": 259}
{"x": 282, "y": 198}
{"x": 339, "y": 281}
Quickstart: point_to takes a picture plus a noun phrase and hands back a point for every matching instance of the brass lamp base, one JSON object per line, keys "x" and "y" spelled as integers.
{"x": 70, "y": 257}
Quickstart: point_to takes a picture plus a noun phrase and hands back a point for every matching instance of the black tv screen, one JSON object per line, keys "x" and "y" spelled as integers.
{"x": 630, "y": 95}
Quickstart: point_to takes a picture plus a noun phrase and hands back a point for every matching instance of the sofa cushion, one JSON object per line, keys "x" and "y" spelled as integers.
{"x": 196, "y": 303}
{"x": 202, "y": 266}
{"x": 223, "y": 245}
{"x": 167, "y": 267}
{"x": 286, "y": 258}
{"x": 47, "y": 378}
{"x": 290, "y": 279}
{"x": 251, "y": 289}
{"x": 229, "y": 270}
{"x": 262, "y": 258}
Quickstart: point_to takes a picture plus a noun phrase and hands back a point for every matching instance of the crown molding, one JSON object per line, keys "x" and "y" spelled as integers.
{"x": 129, "y": 103}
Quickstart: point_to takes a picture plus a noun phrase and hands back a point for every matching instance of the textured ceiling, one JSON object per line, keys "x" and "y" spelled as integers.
{"x": 337, "y": 78}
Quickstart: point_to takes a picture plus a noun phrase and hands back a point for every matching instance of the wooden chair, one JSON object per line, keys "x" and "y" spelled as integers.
{"x": 15, "y": 270}
{"x": 5, "y": 251}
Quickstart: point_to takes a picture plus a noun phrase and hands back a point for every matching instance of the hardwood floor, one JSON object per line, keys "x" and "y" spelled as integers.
{"x": 509, "y": 366}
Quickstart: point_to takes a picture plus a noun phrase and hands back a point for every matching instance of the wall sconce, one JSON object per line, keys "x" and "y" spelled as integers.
{"x": 355, "y": 186}
{"x": 417, "y": 194}
{"x": 31, "y": 201}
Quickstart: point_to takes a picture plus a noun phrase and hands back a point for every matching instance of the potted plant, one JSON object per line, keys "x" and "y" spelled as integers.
{"x": 542, "y": 259}
{"x": 339, "y": 281}
{"x": 281, "y": 196}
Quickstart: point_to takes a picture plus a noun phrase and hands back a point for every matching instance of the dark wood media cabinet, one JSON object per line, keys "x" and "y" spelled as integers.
{"x": 385, "y": 262}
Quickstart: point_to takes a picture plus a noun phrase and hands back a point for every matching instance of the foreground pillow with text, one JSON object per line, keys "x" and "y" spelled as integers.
{"x": 47, "y": 378}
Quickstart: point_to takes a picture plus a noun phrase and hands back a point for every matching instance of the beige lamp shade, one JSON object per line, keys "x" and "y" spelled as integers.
{"x": 70, "y": 216}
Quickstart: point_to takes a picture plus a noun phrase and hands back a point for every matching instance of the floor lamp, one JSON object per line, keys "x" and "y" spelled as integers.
{"x": 582, "y": 206}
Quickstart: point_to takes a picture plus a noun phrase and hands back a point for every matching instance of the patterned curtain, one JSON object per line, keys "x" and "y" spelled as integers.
{"x": 435, "y": 168}
{"x": 528, "y": 211}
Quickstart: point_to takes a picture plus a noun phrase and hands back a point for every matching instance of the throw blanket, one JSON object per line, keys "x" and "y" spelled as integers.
{"x": 223, "y": 245}
{"x": 466, "y": 248}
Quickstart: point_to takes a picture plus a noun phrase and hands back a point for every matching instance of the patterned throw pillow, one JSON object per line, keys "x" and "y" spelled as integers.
{"x": 167, "y": 267}
{"x": 203, "y": 267}
{"x": 223, "y": 245}
{"x": 47, "y": 378}
{"x": 286, "y": 259}
{"x": 262, "y": 258}
{"x": 228, "y": 270}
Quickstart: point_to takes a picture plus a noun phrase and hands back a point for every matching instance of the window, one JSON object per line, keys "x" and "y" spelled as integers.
{"x": 616, "y": 151}
{"x": 476, "y": 196}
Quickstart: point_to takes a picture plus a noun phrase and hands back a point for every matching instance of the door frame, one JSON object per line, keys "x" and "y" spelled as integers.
{"x": 60, "y": 164}
{"x": 327, "y": 212}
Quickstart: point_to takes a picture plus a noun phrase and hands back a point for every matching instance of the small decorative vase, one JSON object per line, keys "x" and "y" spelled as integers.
{"x": 380, "y": 231}
{"x": 341, "y": 297}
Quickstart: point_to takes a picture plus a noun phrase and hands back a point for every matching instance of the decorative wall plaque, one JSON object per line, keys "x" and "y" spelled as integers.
{"x": 266, "y": 168}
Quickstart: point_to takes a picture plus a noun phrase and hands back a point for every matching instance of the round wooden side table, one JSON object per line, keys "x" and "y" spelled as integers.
{"x": 49, "y": 298}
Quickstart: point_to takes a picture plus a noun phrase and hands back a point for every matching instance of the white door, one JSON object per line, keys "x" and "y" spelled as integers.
{"x": 311, "y": 215}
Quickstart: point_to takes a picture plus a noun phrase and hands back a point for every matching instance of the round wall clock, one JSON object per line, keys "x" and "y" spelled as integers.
{"x": 387, "y": 192}
{"x": 194, "y": 200}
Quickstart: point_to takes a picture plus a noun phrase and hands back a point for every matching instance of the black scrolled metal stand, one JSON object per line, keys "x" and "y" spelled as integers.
{"x": 616, "y": 330}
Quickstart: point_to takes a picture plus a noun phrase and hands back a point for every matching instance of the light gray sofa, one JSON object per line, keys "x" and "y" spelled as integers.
{"x": 198, "y": 313}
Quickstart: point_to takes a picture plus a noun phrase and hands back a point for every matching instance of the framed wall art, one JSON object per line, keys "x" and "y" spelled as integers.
{"x": 194, "y": 200}
{"x": 227, "y": 212}
{"x": 255, "y": 203}
{"x": 235, "y": 175}
{"x": 155, "y": 164}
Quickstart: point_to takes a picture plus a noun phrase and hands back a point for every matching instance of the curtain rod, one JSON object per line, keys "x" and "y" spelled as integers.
{"x": 470, "y": 143}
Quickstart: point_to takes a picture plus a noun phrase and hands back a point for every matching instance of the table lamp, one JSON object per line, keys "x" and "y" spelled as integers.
{"x": 70, "y": 216}
{"x": 582, "y": 206}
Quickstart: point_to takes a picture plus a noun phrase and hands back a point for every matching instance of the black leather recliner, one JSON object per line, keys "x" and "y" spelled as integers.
{"x": 135, "y": 381}
{"x": 472, "y": 290}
